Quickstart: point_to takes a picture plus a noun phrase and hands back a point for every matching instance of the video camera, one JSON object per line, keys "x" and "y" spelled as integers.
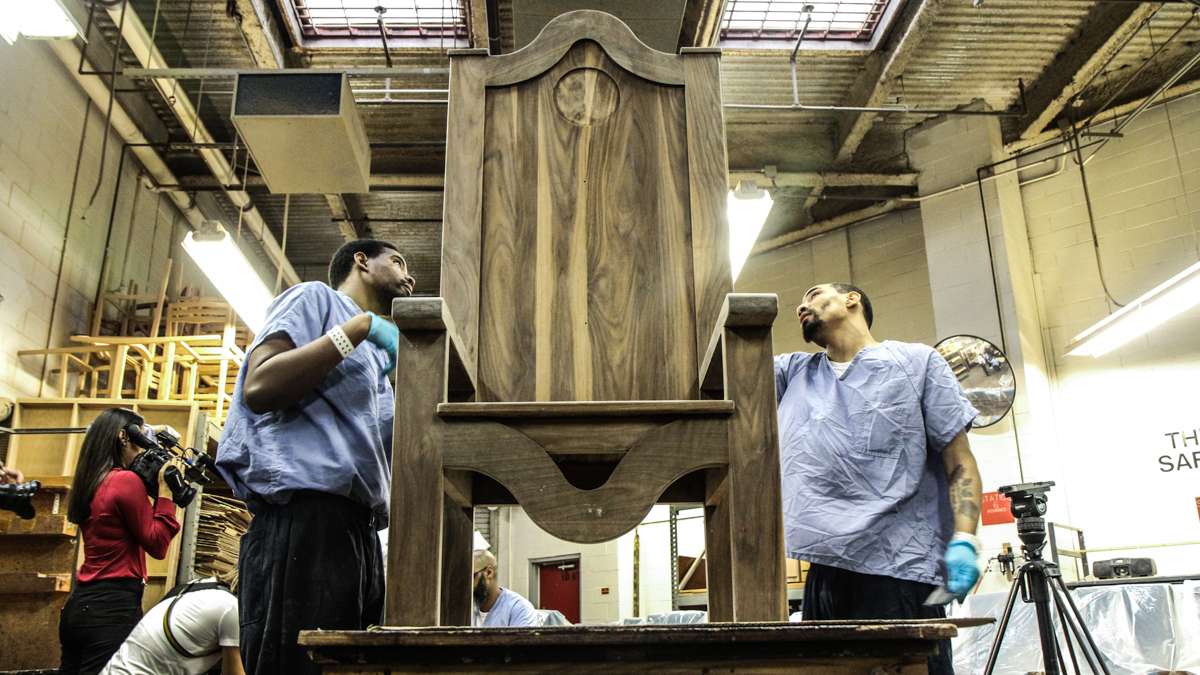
{"x": 18, "y": 497}
{"x": 160, "y": 448}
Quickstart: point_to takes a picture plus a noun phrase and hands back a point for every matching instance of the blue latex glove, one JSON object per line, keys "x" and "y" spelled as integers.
{"x": 386, "y": 336}
{"x": 962, "y": 564}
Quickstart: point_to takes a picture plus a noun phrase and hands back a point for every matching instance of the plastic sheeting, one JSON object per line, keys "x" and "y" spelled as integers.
{"x": 551, "y": 617}
{"x": 677, "y": 617}
{"x": 1138, "y": 628}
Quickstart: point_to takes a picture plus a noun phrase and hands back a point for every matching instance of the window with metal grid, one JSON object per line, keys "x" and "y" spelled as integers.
{"x": 788, "y": 19}
{"x": 434, "y": 19}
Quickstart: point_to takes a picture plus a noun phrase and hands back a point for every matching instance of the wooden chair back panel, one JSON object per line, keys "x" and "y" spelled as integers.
{"x": 586, "y": 276}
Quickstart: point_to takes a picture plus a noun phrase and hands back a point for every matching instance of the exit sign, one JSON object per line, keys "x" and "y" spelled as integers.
{"x": 996, "y": 509}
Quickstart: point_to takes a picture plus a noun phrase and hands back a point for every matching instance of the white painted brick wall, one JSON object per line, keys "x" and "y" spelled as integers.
{"x": 1113, "y": 412}
{"x": 41, "y": 113}
{"x": 885, "y": 257}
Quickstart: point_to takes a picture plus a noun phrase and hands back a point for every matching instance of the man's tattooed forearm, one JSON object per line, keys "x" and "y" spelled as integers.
{"x": 963, "y": 494}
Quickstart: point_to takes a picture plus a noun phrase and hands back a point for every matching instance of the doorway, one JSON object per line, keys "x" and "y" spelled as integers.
{"x": 558, "y": 586}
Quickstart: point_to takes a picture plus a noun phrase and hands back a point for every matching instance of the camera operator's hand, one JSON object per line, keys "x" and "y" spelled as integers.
{"x": 163, "y": 489}
{"x": 8, "y": 475}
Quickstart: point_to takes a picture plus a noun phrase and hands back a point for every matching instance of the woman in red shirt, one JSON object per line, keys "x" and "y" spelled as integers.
{"x": 120, "y": 525}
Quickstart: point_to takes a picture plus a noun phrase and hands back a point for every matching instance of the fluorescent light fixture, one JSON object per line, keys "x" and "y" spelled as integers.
{"x": 228, "y": 269}
{"x": 37, "y": 19}
{"x": 747, "y": 208}
{"x": 1149, "y": 310}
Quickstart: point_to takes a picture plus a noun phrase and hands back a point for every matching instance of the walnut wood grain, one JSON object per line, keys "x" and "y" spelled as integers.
{"x": 737, "y": 310}
{"x": 709, "y": 185}
{"x": 656, "y": 460}
{"x": 754, "y": 491}
{"x": 828, "y": 649}
{"x": 458, "y": 532}
{"x": 585, "y": 409}
{"x": 463, "y": 197}
{"x": 718, "y": 546}
{"x": 424, "y": 314}
{"x": 586, "y": 271}
{"x": 562, "y": 32}
{"x": 415, "y": 530}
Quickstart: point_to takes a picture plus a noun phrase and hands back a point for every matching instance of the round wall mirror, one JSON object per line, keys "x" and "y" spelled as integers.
{"x": 984, "y": 373}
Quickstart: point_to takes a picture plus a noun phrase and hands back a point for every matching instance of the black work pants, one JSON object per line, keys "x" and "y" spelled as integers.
{"x": 832, "y": 593}
{"x": 97, "y": 618}
{"x": 314, "y": 562}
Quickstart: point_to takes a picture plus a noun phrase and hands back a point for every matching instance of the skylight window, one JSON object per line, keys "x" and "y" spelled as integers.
{"x": 428, "y": 19}
{"x": 852, "y": 20}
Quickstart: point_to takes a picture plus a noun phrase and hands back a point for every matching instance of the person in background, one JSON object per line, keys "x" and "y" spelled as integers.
{"x": 121, "y": 522}
{"x": 881, "y": 493}
{"x": 497, "y": 607}
{"x": 308, "y": 445}
{"x": 190, "y": 631}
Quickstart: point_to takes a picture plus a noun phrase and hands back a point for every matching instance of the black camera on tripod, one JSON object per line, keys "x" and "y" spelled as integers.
{"x": 157, "y": 450}
{"x": 18, "y": 497}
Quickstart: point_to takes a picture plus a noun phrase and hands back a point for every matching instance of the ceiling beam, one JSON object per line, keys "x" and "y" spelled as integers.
{"x": 351, "y": 220}
{"x": 261, "y": 32}
{"x": 874, "y": 84}
{"x": 824, "y": 226}
{"x": 701, "y": 23}
{"x": 1103, "y": 32}
{"x": 143, "y": 48}
{"x": 824, "y": 179}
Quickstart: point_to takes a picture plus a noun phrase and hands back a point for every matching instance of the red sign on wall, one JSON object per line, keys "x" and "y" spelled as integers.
{"x": 996, "y": 509}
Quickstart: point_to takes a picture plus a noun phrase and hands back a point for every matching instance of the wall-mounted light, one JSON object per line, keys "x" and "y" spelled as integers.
{"x": 747, "y": 209}
{"x": 215, "y": 252}
{"x": 36, "y": 19}
{"x": 1148, "y": 311}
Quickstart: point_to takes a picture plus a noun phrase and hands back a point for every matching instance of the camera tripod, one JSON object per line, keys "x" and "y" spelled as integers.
{"x": 1039, "y": 582}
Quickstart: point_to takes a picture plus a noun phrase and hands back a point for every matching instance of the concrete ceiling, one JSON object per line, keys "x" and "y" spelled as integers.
{"x": 936, "y": 55}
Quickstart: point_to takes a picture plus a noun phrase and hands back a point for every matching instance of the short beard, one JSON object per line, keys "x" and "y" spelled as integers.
{"x": 480, "y": 592}
{"x": 812, "y": 331}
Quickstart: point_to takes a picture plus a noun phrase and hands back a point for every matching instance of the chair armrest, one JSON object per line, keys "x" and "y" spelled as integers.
{"x": 740, "y": 310}
{"x": 432, "y": 314}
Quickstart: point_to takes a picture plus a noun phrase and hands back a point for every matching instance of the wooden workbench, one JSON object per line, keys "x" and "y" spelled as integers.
{"x": 833, "y": 647}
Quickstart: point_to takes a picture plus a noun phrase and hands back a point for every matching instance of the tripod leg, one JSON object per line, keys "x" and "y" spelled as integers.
{"x": 1065, "y": 617}
{"x": 1091, "y": 643}
{"x": 1004, "y": 618}
{"x": 1050, "y": 654}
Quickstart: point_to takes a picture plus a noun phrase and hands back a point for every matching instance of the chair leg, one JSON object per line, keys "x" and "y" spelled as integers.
{"x": 718, "y": 550}
{"x": 458, "y": 532}
{"x": 415, "y": 530}
{"x": 754, "y": 493}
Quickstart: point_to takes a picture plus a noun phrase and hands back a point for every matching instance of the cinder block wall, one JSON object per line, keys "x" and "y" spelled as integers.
{"x": 884, "y": 256}
{"x": 1115, "y": 415}
{"x": 41, "y": 120}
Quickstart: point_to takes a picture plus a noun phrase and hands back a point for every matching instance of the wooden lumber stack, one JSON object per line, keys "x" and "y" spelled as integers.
{"x": 36, "y": 560}
{"x": 222, "y": 522}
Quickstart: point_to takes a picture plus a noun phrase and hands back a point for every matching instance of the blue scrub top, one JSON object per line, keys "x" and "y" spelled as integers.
{"x": 510, "y": 611}
{"x": 338, "y": 438}
{"x": 864, "y": 486}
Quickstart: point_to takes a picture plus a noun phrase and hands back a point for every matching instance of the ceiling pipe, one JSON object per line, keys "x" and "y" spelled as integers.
{"x": 126, "y": 128}
{"x": 147, "y": 54}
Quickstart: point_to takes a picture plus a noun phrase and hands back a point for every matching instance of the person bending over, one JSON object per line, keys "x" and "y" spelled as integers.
{"x": 881, "y": 493}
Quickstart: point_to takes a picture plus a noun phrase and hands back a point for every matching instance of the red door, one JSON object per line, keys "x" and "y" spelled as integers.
{"x": 558, "y": 588}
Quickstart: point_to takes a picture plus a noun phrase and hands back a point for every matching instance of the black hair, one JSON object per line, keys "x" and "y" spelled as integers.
{"x": 343, "y": 260}
{"x": 101, "y": 451}
{"x": 868, "y": 313}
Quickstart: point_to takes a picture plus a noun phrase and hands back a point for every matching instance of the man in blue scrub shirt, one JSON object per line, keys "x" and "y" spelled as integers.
{"x": 308, "y": 445}
{"x": 881, "y": 493}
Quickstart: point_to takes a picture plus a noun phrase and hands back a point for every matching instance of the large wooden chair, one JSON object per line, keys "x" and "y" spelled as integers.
{"x": 586, "y": 359}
